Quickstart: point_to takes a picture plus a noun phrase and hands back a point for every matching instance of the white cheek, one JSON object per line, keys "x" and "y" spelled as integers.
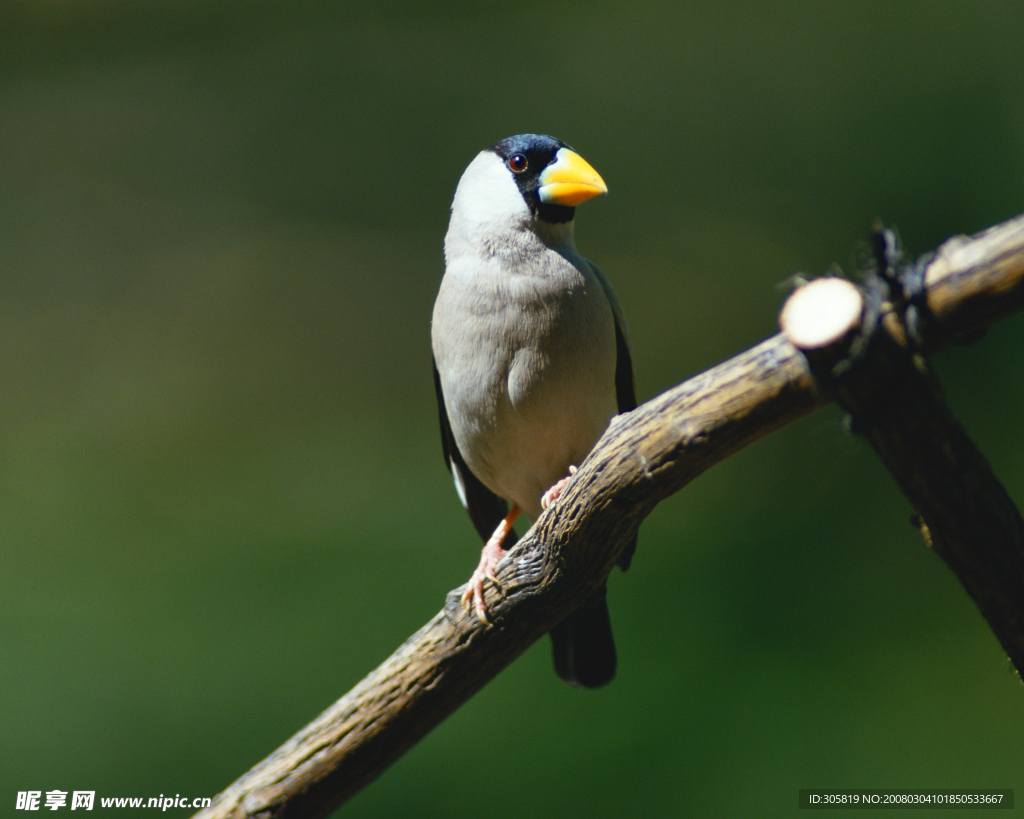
{"x": 488, "y": 198}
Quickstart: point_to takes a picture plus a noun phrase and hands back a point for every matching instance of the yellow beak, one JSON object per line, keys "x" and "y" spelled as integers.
{"x": 569, "y": 180}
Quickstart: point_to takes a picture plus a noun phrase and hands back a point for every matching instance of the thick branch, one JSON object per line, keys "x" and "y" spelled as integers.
{"x": 645, "y": 456}
{"x": 896, "y": 403}
{"x": 965, "y": 513}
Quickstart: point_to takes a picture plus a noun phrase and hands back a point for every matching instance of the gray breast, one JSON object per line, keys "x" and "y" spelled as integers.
{"x": 527, "y": 365}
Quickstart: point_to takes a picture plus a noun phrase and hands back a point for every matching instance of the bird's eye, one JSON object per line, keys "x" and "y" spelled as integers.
{"x": 517, "y": 163}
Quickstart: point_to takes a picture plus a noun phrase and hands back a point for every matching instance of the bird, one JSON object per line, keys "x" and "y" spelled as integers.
{"x": 531, "y": 362}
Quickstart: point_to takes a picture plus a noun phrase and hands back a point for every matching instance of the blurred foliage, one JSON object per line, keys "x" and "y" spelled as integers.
{"x": 221, "y": 491}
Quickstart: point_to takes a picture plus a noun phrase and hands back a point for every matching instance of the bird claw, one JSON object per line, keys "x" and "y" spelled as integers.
{"x": 552, "y": 494}
{"x": 473, "y": 596}
{"x": 489, "y": 557}
{"x": 492, "y": 552}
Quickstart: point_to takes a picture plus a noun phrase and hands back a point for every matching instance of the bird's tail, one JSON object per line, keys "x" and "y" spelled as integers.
{"x": 582, "y": 644}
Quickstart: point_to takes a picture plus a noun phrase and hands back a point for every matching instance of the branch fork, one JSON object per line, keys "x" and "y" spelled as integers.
{"x": 655, "y": 450}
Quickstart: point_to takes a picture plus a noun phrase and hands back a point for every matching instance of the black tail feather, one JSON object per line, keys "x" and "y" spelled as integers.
{"x": 582, "y": 645}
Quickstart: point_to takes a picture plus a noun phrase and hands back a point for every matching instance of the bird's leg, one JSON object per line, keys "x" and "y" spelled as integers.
{"x": 552, "y": 494}
{"x": 492, "y": 552}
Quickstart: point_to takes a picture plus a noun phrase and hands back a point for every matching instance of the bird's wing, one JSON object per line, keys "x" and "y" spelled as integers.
{"x": 625, "y": 385}
{"x": 486, "y": 509}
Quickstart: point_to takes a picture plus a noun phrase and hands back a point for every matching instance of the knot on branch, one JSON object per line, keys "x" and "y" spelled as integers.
{"x": 898, "y": 288}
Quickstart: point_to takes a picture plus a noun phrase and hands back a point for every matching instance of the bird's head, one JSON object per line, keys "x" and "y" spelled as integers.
{"x": 523, "y": 180}
{"x": 551, "y": 177}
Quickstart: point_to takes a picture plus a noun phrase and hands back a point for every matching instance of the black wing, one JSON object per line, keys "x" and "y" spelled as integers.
{"x": 625, "y": 386}
{"x": 486, "y": 509}
{"x": 625, "y": 391}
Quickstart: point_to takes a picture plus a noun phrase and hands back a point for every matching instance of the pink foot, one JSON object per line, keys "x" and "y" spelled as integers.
{"x": 552, "y": 494}
{"x": 489, "y": 557}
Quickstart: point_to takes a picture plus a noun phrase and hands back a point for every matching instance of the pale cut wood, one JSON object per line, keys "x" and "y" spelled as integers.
{"x": 821, "y": 313}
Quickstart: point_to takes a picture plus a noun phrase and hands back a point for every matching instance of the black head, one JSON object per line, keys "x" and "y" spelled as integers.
{"x": 526, "y": 156}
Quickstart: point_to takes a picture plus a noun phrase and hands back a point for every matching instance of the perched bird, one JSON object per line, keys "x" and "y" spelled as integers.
{"x": 531, "y": 361}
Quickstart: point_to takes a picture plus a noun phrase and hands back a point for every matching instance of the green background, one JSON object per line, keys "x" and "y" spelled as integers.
{"x": 222, "y": 499}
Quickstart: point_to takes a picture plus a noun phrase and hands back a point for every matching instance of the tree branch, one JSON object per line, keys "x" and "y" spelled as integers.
{"x": 645, "y": 456}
